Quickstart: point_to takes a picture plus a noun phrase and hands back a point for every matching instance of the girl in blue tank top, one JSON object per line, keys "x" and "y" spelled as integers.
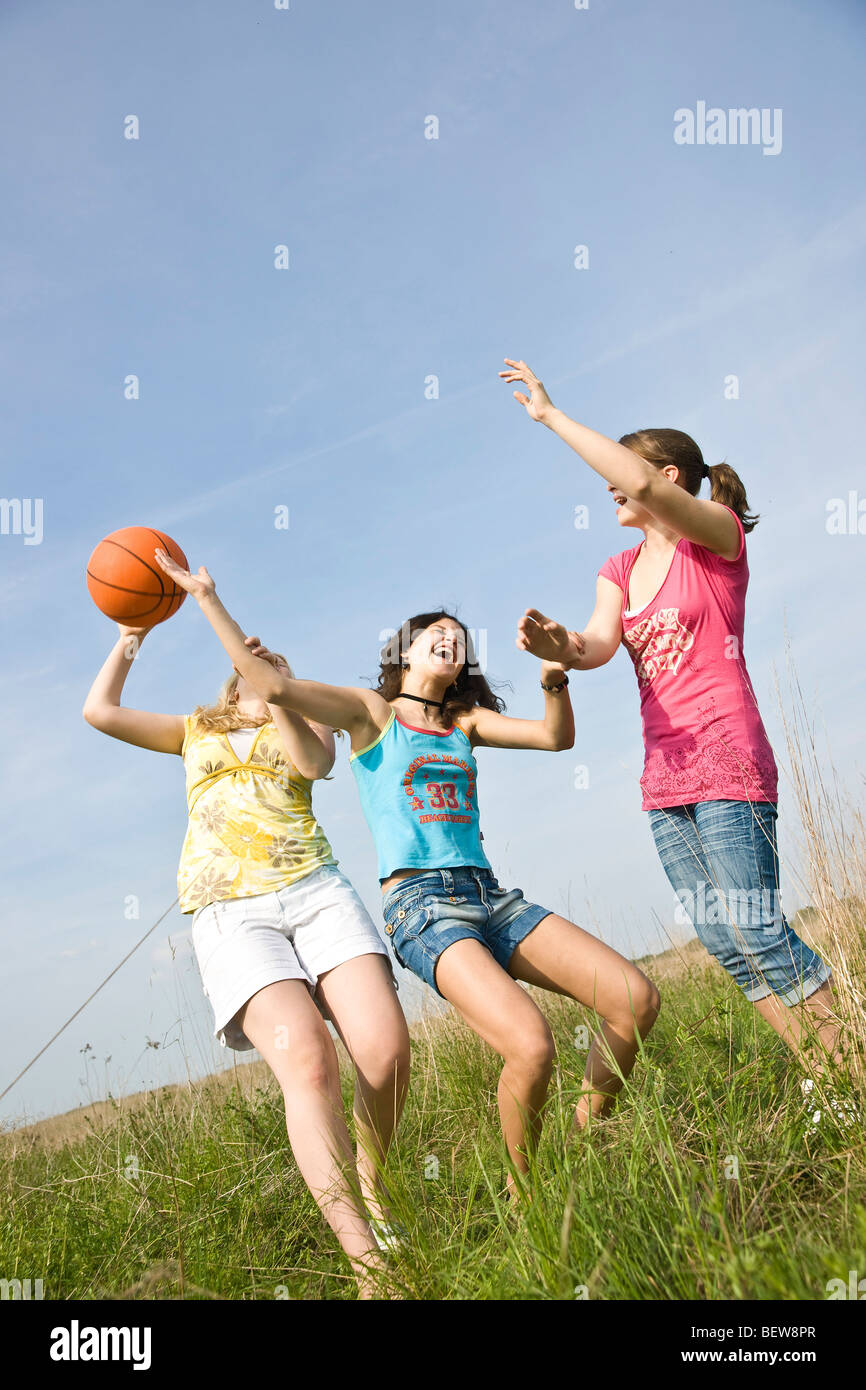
{"x": 447, "y": 917}
{"x": 417, "y": 789}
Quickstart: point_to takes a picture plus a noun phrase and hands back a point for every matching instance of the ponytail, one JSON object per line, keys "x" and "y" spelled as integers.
{"x": 664, "y": 447}
{"x": 726, "y": 487}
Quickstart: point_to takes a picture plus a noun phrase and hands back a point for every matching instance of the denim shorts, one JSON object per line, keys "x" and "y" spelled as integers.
{"x": 723, "y": 864}
{"x": 431, "y": 910}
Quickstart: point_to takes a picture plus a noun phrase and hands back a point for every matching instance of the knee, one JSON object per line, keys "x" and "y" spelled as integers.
{"x": 307, "y": 1068}
{"x": 647, "y": 1005}
{"x": 385, "y": 1069}
{"x": 643, "y": 1004}
{"x": 532, "y": 1053}
{"x": 389, "y": 1072}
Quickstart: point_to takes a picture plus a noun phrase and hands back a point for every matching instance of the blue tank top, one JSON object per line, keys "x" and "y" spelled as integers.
{"x": 418, "y": 796}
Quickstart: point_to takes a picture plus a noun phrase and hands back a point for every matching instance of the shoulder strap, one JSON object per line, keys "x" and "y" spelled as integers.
{"x": 361, "y": 751}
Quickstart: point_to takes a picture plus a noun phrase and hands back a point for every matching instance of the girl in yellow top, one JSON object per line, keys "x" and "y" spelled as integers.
{"x": 277, "y": 930}
{"x": 251, "y": 823}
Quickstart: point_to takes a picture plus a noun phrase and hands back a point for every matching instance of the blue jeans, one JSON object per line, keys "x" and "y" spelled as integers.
{"x": 723, "y": 864}
{"x": 426, "y": 913}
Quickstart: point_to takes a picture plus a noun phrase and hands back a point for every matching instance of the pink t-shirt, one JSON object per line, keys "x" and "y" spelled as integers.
{"x": 703, "y": 733}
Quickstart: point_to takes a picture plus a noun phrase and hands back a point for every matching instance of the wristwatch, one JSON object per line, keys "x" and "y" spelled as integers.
{"x": 562, "y": 684}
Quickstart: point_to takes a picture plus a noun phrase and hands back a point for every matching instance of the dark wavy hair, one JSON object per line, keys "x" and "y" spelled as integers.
{"x": 661, "y": 447}
{"x": 470, "y": 688}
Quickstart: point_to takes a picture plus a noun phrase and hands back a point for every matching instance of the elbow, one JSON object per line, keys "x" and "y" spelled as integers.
{"x": 315, "y": 770}
{"x": 269, "y": 688}
{"x": 558, "y": 743}
{"x": 642, "y": 491}
{"x": 268, "y": 684}
{"x": 100, "y": 716}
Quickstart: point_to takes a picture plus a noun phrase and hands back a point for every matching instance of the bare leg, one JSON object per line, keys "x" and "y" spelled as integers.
{"x": 812, "y": 1029}
{"x": 362, "y": 1003}
{"x": 502, "y": 1013}
{"x": 283, "y": 1023}
{"x": 560, "y": 956}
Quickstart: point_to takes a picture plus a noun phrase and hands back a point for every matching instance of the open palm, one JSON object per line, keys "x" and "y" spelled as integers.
{"x": 199, "y": 585}
{"x": 547, "y": 639}
{"x": 537, "y": 403}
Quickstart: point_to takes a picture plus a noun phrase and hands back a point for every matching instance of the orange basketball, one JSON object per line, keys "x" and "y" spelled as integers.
{"x": 127, "y": 584}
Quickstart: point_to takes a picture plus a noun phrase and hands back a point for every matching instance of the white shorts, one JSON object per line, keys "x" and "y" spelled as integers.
{"x": 296, "y": 933}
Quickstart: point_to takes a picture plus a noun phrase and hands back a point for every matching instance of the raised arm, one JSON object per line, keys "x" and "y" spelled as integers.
{"x": 310, "y": 745}
{"x": 340, "y": 707}
{"x": 162, "y": 733}
{"x": 696, "y": 518}
{"x": 487, "y": 728}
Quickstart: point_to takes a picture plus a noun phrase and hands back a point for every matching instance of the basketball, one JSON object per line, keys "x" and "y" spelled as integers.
{"x": 126, "y": 583}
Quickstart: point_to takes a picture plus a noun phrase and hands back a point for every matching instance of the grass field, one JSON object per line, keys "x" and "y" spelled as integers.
{"x": 704, "y": 1184}
{"x": 708, "y": 1181}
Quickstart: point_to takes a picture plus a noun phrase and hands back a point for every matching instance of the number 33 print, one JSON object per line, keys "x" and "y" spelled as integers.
{"x": 442, "y": 794}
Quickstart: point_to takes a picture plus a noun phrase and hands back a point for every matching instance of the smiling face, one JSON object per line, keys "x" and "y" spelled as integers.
{"x": 432, "y": 654}
{"x": 631, "y": 513}
{"x": 670, "y": 452}
{"x": 438, "y": 652}
{"x": 628, "y": 513}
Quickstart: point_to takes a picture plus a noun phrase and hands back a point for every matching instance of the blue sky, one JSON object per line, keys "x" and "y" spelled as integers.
{"x": 304, "y": 388}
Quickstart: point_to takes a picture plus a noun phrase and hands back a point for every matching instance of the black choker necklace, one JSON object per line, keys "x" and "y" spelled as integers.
{"x": 422, "y": 700}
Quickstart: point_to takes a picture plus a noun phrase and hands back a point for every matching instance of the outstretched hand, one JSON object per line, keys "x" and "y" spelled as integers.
{"x": 547, "y": 639}
{"x": 199, "y": 585}
{"x": 538, "y": 404}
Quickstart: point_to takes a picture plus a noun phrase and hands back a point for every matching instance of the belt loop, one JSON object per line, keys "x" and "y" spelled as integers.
{"x": 447, "y": 880}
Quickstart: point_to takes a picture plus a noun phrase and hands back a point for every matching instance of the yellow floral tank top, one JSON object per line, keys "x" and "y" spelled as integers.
{"x": 251, "y": 823}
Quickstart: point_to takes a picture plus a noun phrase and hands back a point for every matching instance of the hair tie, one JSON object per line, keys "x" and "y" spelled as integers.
{"x": 705, "y": 471}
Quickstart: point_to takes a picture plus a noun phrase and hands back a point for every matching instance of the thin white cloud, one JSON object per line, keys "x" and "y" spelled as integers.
{"x": 836, "y": 241}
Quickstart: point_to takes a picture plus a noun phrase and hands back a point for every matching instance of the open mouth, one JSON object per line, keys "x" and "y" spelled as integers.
{"x": 446, "y": 650}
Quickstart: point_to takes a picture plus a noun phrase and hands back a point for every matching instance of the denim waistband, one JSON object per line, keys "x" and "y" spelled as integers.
{"x": 446, "y": 879}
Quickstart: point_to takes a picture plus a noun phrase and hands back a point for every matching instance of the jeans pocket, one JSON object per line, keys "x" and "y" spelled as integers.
{"x": 412, "y": 921}
{"x": 407, "y": 931}
{"x": 396, "y": 905}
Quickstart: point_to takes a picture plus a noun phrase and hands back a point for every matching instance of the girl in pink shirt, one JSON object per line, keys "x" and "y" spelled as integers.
{"x": 677, "y": 604}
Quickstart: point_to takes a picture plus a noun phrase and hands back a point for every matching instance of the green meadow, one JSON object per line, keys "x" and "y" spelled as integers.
{"x": 709, "y": 1180}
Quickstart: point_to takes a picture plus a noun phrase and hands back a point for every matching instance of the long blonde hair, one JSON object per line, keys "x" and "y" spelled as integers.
{"x": 223, "y": 716}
